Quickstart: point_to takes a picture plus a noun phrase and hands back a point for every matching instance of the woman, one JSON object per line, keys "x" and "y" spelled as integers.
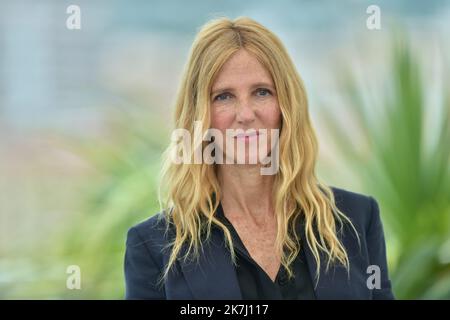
{"x": 231, "y": 230}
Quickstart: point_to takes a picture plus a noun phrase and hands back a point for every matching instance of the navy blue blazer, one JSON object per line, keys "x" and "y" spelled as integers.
{"x": 214, "y": 276}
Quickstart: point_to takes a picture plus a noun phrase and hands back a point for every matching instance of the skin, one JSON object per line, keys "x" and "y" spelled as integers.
{"x": 247, "y": 195}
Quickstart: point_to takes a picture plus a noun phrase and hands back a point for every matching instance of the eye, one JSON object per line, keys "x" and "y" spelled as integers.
{"x": 263, "y": 92}
{"x": 222, "y": 96}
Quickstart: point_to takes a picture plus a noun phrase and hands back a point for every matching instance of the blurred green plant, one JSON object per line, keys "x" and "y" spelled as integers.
{"x": 404, "y": 163}
{"x": 124, "y": 194}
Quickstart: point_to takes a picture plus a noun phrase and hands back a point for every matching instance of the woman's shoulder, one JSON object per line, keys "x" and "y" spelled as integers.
{"x": 358, "y": 207}
{"x": 152, "y": 230}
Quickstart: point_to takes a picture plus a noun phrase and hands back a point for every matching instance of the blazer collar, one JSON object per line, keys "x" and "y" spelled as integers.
{"x": 213, "y": 276}
{"x": 333, "y": 283}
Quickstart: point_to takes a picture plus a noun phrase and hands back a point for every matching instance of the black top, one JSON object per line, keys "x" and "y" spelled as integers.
{"x": 254, "y": 282}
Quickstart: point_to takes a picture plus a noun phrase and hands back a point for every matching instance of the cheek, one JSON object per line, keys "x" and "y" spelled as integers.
{"x": 271, "y": 116}
{"x": 221, "y": 119}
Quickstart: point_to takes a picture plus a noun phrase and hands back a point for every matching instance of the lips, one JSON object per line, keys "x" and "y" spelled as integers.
{"x": 247, "y": 135}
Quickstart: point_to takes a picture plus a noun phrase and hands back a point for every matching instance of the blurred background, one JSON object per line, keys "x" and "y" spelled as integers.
{"x": 85, "y": 115}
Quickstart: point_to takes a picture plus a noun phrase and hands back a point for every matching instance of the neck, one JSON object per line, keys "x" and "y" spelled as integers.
{"x": 245, "y": 192}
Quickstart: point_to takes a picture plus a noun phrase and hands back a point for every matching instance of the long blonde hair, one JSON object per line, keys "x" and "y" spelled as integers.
{"x": 190, "y": 193}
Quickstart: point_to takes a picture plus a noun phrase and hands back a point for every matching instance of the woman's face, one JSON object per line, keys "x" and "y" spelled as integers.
{"x": 243, "y": 97}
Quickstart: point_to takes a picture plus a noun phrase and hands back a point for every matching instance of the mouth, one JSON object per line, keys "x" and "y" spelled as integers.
{"x": 247, "y": 135}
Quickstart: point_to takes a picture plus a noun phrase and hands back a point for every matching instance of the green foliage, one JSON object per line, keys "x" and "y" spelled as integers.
{"x": 124, "y": 193}
{"x": 405, "y": 164}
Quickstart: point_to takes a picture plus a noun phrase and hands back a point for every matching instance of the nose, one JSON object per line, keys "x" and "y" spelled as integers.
{"x": 245, "y": 113}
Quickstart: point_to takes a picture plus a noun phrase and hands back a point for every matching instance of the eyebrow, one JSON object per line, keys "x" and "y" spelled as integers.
{"x": 258, "y": 84}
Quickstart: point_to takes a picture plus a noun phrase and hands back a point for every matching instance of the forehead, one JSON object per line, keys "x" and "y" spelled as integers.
{"x": 241, "y": 69}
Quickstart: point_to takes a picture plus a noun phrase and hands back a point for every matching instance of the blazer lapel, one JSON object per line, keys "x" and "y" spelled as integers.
{"x": 213, "y": 276}
{"x": 310, "y": 261}
{"x": 333, "y": 283}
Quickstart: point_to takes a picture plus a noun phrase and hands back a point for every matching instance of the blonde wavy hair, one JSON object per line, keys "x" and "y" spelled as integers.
{"x": 190, "y": 193}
